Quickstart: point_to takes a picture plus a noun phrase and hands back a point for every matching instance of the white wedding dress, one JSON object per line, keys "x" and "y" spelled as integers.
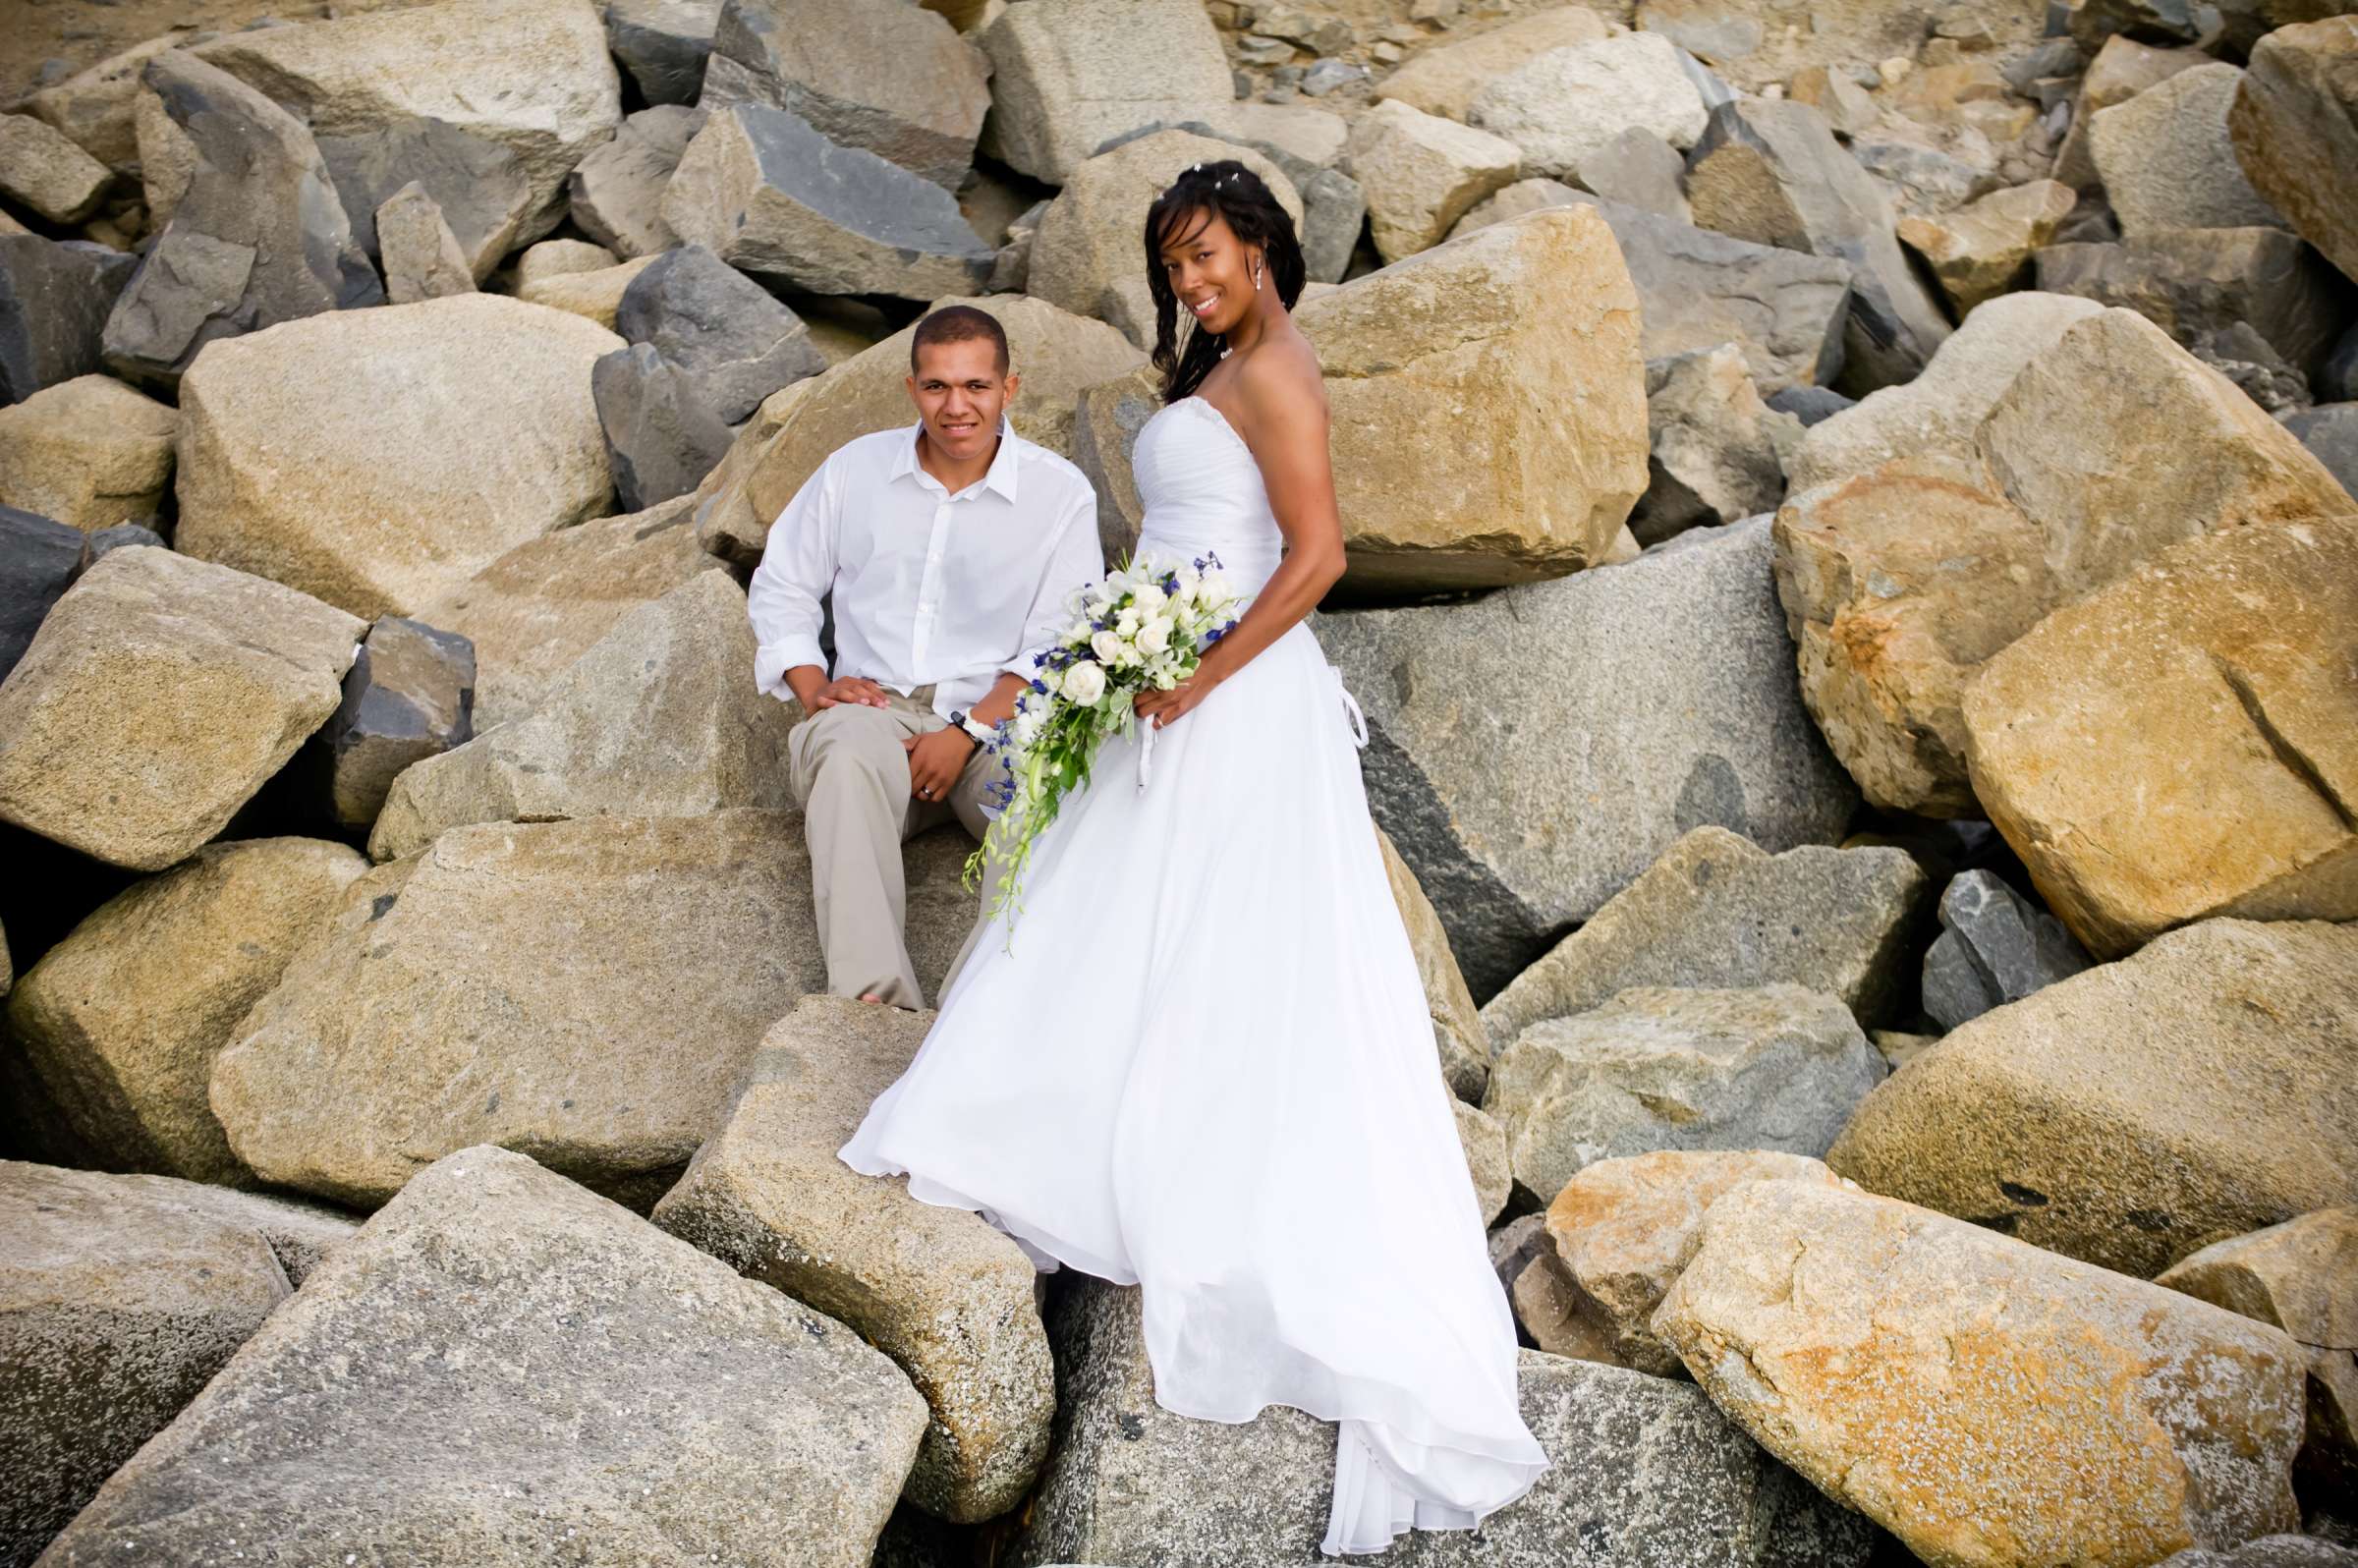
{"x": 1205, "y": 1066}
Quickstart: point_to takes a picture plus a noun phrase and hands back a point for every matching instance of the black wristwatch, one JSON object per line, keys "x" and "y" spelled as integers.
{"x": 977, "y": 731}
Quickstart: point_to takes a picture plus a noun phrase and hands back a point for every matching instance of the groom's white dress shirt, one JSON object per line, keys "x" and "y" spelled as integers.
{"x": 930, "y": 588}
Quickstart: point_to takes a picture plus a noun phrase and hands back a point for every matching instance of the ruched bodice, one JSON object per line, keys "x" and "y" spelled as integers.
{"x": 1202, "y": 491}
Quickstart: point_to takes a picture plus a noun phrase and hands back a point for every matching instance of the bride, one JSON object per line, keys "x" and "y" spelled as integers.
{"x": 1200, "y": 1062}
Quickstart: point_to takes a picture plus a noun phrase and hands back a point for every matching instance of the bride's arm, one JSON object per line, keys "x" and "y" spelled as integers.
{"x": 1285, "y": 409}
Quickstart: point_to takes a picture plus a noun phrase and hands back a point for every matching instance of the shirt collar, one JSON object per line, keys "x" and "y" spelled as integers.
{"x": 1001, "y": 477}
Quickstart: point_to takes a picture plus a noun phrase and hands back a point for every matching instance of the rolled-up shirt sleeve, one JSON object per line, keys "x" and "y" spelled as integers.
{"x": 1074, "y": 564}
{"x": 798, "y": 567}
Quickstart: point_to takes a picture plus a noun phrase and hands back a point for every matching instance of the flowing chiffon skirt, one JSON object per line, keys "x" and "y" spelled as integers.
{"x": 1201, "y": 1062}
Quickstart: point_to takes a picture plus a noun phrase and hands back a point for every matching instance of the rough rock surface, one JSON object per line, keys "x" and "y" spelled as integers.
{"x": 1563, "y": 106}
{"x": 2088, "y": 1118}
{"x": 937, "y": 1289}
{"x": 1422, "y": 173}
{"x": 1996, "y": 947}
{"x": 1457, "y": 1032}
{"x": 89, "y": 452}
{"x": 2109, "y": 1418}
{"x": 2167, "y": 159}
{"x": 2294, "y": 130}
{"x": 724, "y": 1418}
{"x": 1069, "y": 75}
{"x": 1443, "y": 79}
{"x": 157, "y": 697}
{"x": 1717, "y": 910}
{"x": 1517, "y": 830}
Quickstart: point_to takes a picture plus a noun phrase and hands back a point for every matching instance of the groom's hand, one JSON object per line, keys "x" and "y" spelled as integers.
{"x": 935, "y": 759}
{"x": 851, "y": 688}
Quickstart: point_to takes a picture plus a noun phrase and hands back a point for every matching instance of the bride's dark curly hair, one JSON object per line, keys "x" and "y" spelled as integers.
{"x": 1249, "y": 207}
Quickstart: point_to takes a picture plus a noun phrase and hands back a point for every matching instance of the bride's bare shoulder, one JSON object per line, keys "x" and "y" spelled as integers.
{"x": 1283, "y": 377}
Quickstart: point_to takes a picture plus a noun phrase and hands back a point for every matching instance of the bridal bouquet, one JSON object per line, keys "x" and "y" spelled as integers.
{"x": 1145, "y": 626}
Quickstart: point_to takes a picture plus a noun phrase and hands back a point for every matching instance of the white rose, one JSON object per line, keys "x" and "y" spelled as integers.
{"x": 1085, "y": 683}
{"x": 1155, "y": 635}
{"x": 1077, "y": 631}
{"x": 1052, "y": 679}
{"x": 1107, "y": 646}
{"x": 1148, "y": 601}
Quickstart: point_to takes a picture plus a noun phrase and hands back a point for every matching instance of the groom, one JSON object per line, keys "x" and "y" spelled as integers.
{"x": 950, "y": 547}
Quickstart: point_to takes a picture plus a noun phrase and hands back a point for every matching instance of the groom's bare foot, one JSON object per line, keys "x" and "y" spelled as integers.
{"x": 871, "y": 996}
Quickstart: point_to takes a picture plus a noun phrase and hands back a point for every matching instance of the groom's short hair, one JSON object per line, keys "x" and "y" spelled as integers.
{"x": 958, "y": 323}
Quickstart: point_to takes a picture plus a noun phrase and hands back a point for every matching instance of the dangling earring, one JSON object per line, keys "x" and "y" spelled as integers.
{"x": 1256, "y": 277}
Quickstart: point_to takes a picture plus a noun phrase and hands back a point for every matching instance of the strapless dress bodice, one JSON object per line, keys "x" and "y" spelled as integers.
{"x": 1202, "y": 492}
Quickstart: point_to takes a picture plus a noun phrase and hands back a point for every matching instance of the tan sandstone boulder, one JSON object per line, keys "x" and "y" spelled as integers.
{"x": 538, "y": 608}
{"x": 88, "y": 453}
{"x": 158, "y": 694}
{"x": 2138, "y": 1110}
{"x": 1069, "y": 75}
{"x": 1055, "y": 352}
{"x": 1624, "y": 1228}
{"x": 2184, "y": 743}
{"x": 123, "y": 1017}
{"x": 588, "y": 991}
{"x": 1991, "y": 1405}
{"x": 939, "y": 1289}
{"x": 2295, "y": 126}
{"x": 377, "y": 457}
{"x": 1422, "y": 173}
{"x": 1443, "y": 80}
{"x": 659, "y": 718}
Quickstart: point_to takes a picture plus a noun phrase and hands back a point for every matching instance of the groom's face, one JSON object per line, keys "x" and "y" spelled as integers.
{"x": 960, "y": 391}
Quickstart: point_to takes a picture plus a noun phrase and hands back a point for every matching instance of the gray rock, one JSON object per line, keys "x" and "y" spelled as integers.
{"x": 260, "y": 237}
{"x": 1718, "y": 910}
{"x": 1996, "y": 947}
{"x": 421, "y": 257}
{"x": 1771, "y": 172}
{"x": 2239, "y": 353}
{"x": 661, "y": 437}
{"x": 1333, "y": 210}
{"x": 2167, "y": 161}
{"x": 480, "y": 184}
{"x": 663, "y": 45}
{"x": 1644, "y": 1474}
{"x": 728, "y": 338}
{"x": 409, "y": 696}
{"x": 2336, "y": 376}
{"x": 1928, "y": 180}
{"x": 1713, "y": 446}
{"x": 1521, "y": 784}
{"x": 937, "y": 1288}
{"x": 894, "y": 80}
{"x": 114, "y": 537}
{"x": 513, "y": 1359}
{"x": 1069, "y": 75}
{"x": 1696, "y": 290}
{"x": 1011, "y": 272}
{"x": 617, "y": 192}
{"x": 39, "y": 559}
{"x": 55, "y": 297}
{"x": 2331, "y": 434}
{"x": 1810, "y": 404}
{"x": 1638, "y": 169}
{"x": 2190, "y": 282}
{"x": 122, "y": 1296}
{"x": 1777, "y": 1067}
{"x": 2268, "y": 1552}
{"x": 773, "y": 197}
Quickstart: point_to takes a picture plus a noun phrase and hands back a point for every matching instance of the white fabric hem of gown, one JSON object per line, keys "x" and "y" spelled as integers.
{"x": 1371, "y": 1507}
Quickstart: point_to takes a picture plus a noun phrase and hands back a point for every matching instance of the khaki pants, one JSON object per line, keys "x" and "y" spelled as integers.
{"x": 851, "y": 776}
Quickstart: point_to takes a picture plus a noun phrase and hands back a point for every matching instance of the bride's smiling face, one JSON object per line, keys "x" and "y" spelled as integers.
{"x": 1210, "y": 269}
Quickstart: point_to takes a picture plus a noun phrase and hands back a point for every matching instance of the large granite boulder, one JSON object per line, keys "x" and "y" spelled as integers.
{"x": 1715, "y": 452}
{"x": 1982, "y": 249}
{"x": 39, "y": 559}
{"x": 1644, "y": 1474}
{"x": 532, "y": 75}
{"x": 477, "y": 184}
{"x": 939, "y": 1289}
{"x": 157, "y": 697}
{"x": 2192, "y": 283}
{"x": 663, "y": 45}
{"x": 499, "y": 1358}
{"x": 2090, "y": 1118}
{"x": 478, "y": 992}
{"x": 657, "y": 718}
{"x": 1770, "y": 171}
{"x": 89, "y": 453}
{"x": 896, "y": 80}
{"x": 421, "y": 257}
{"x": 1987, "y": 1402}
{"x": 379, "y": 458}
{"x": 2302, "y": 1276}
{"x": 1085, "y": 255}
{"x": 1422, "y": 173}
{"x": 615, "y": 193}
{"x": 122, "y": 1019}
{"x": 120, "y": 1297}
{"x": 1565, "y": 106}
{"x": 1697, "y": 289}
{"x": 1492, "y": 328}
{"x": 1518, "y": 829}
{"x": 662, "y": 438}
{"x": 1937, "y": 413}
{"x": 730, "y": 338}
{"x": 1069, "y": 75}
{"x": 1444, "y": 77}
{"x": 773, "y": 197}
{"x": 539, "y": 607}
{"x": 1718, "y": 910}
{"x": 260, "y": 236}
{"x": 2293, "y": 125}
{"x": 2167, "y": 161}
{"x": 1775, "y": 1067}
{"x": 1622, "y": 1229}
{"x": 44, "y": 171}
{"x": 2103, "y": 742}
{"x": 1055, "y": 352}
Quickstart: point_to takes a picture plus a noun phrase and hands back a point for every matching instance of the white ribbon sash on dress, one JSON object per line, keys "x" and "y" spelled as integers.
{"x": 1358, "y": 729}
